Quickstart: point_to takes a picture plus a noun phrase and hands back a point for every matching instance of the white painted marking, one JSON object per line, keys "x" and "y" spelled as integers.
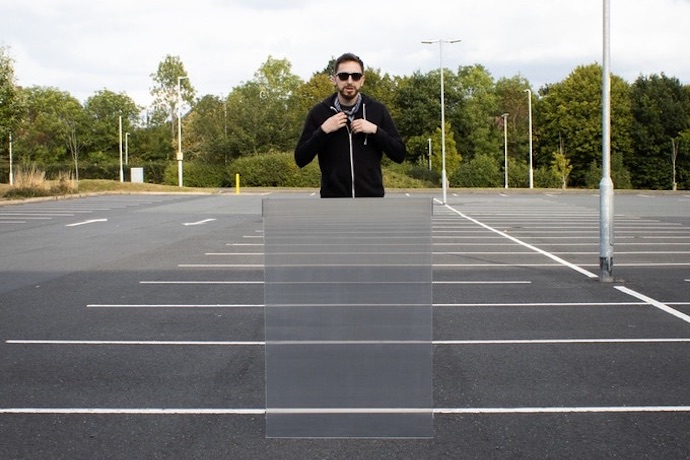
{"x": 201, "y": 282}
{"x": 86, "y": 222}
{"x": 135, "y": 342}
{"x": 342, "y": 410}
{"x": 562, "y": 410}
{"x": 22, "y": 217}
{"x": 201, "y": 222}
{"x": 132, "y": 411}
{"x": 654, "y": 303}
{"x": 220, "y": 266}
{"x": 543, "y": 304}
{"x": 529, "y": 246}
{"x": 235, "y": 253}
{"x": 174, "y": 306}
{"x": 261, "y": 411}
{"x": 558, "y": 341}
{"x": 481, "y": 282}
{"x": 367, "y": 342}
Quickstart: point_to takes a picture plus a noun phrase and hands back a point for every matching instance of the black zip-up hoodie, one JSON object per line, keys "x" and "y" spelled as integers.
{"x": 350, "y": 163}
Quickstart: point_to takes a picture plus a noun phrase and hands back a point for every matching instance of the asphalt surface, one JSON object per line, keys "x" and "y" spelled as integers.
{"x": 131, "y": 326}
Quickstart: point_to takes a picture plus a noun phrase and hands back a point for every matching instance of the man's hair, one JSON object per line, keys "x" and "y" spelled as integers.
{"x": 347, "y": 57}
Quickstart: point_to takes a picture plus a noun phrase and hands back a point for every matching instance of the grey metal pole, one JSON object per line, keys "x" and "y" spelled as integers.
{"x": 11, "y": 166}
{"x": 505, "y": 147}
{"x": 122, "y": 172}
{"x": 429, "y": 154}
{"x": 443, "y": 124}
{"x": 179, "y": 130}
{"x": 606, "y": 184}
{"x": 443, "y": 113}
{"x": 531, "y": 167}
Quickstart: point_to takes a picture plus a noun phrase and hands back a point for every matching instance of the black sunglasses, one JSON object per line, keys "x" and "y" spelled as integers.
{"x": 343, "y": 76}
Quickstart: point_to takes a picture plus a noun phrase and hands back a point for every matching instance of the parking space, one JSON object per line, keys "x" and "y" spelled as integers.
{"x": 139, "y": 332}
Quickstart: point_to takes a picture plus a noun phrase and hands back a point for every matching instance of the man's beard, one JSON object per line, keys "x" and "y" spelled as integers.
{"x": 349, "y": 96}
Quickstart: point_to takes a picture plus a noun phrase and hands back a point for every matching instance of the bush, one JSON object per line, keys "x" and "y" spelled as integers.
{"x": 30, "y": 182}
{"x": 481, "y": 171}
{"x": 546, "y": 177}
{"x": 196, "y": 174}
{"x": 274, "y": 170}
{"x": 427, "y": 176}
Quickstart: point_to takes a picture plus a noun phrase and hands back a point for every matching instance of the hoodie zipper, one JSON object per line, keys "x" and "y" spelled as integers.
{"x": 352, "y": 157}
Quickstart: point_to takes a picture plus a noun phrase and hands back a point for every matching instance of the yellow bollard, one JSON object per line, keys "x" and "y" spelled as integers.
{"x": 237, "y": 184}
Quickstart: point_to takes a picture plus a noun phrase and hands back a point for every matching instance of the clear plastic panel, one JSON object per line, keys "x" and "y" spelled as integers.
{"x": 348, "y": 317}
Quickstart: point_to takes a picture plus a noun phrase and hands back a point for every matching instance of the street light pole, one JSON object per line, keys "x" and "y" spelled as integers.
{"x": 529, "y": 108}
{"x": 429, "y": 140}
{"x": 11, "y": 166}
{"x": 443, "y": 112}
{"x": 505, "y": 147}
{"x": 606, "y": 184}
{"x": 122, "y": 172}
{"x": 127, "y": 148}
{"x": 179, "y": 130}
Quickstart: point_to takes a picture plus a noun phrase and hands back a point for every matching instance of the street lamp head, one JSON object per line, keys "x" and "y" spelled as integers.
{"x": 440, "y": 40}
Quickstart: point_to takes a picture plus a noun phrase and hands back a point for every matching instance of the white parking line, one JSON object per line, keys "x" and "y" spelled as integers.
{"x": 261, "y": 411}
{"x": 654, "y": 303}
{"x": 201, "y": 282}
{"x": 174, "y": 306}
{"x": 86, "y": 222}
{"x": 258, "y": 343}
{"x": 201, "y": 222}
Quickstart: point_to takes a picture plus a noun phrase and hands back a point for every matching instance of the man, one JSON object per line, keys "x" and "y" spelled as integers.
{"x": 350, "y": 133}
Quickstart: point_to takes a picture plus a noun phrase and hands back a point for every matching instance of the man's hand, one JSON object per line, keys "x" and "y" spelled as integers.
{"x": 334, "y": 123}
{"x": 363, "y": 126}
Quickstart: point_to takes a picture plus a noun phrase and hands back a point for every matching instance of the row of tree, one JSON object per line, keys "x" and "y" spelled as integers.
{"x": 650, "y": 122}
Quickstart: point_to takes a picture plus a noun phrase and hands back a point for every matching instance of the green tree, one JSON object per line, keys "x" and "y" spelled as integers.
{"x": 310, "y": 93}
{"x": 481, "y": 171}
{"x": 661, "y": 110}
{"x": 10, "y": 97}
{"x": 265, "y": 114}
{"x": 171, "y": 74}
{"x": 562, "y": 168}
{"x": 52, "y": 116}
{"x": 475, "y": 117}
{"x": 103, "y": 110}
{"x": 512, "y": 99}
{"x": 207, "y": 131}
{"x": 418, "y": 102}
{"x": 381, "y": 87}
{"x": 570, "y": 119}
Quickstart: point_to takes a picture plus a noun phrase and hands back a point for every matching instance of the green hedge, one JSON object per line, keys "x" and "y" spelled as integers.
{"x": 196, "y": 174}
{"x": 274, "y": 170}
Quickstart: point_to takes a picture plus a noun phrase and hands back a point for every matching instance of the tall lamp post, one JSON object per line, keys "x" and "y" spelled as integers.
{"x": 122, "y": 171}
{"x": 529, "y": 109}
{"x": 606, "y": 184}
{"x": 505, "y": 148}
{"x": 11, "y": 166}
{"x": 179, "y": 130}
{"x": 443, "y": 111}
{"x": 127, "y": 148}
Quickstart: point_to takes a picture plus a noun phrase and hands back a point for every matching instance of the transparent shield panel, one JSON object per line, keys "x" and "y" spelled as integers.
{"x": 348, "y": 317}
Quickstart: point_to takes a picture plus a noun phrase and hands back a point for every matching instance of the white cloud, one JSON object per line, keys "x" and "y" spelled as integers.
{"x": 82, "y": 46}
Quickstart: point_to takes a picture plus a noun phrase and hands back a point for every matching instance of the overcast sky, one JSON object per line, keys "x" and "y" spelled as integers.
{"x": 83, "y": 46}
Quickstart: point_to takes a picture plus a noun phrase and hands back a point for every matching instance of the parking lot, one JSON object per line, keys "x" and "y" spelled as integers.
{"x": 131, "y": 326}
